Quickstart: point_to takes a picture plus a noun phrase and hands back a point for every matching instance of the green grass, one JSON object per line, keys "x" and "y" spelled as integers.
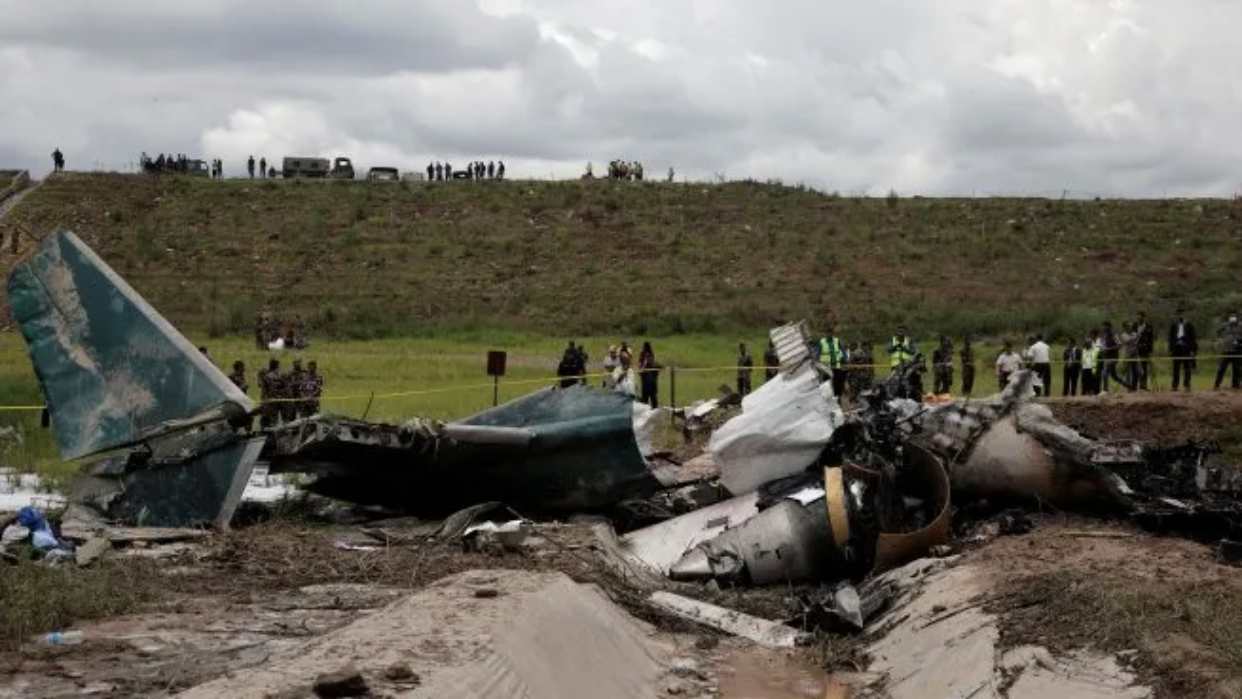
{"x": 39, "y": 598}
{"x": 441, "y": 377}
{"x": 404, "y": 288}
{"x": 607, "y": 258}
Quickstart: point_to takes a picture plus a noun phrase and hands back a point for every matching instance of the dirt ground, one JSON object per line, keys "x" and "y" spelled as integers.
{"x": 1164, "y": 418}
{"x": 1165, "y": 604}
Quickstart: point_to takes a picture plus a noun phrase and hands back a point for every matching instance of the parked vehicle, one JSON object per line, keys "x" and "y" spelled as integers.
{"x": 340, "y": 168}
{"x": 383, "y": 174}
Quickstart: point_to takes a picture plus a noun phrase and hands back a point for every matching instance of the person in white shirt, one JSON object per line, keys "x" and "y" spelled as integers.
{"x": 611, "y": 362}
{"x": 624, "y": 378}
{"x": 1007, "y": 363}
{"x": 1041, "y": 363}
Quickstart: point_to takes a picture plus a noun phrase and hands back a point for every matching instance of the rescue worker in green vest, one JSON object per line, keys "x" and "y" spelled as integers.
{"x": 1091, "y": 364}
{"x": 832, "y": 354}
{"x": 900, "y": 349}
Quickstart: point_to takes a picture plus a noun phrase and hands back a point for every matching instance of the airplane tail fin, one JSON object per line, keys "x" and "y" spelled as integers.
{"x": 114, "y": 372}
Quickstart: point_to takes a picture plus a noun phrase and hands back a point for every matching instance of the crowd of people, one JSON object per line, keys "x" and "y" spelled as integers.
{"x": 178, "y": 163}
{"x": 1104, "y": 359}
{"x": 284, "y": 396}
{"x": 270, "y": 332}
{"x": 264, "y": 170}
{"x": 620, "y": 373}
{"x": 478, "y": 170}
{"x": 625, "y": 170}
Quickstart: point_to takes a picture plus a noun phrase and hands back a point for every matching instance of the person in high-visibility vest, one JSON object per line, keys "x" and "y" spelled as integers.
{"x": 833, "y": 355}
{"x": 900, "y": 349}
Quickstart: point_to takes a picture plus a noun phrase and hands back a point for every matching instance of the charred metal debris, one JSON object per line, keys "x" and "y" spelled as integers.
{"x": 792, "y": 486}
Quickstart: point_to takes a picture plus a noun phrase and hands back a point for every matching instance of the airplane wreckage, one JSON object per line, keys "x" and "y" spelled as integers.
{"x": 795, "y": 488}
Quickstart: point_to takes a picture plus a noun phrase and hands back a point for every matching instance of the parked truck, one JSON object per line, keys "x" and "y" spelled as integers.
{"x": 340, "y": 168}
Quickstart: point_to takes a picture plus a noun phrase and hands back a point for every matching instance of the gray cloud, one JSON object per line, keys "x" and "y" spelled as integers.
{"x": 1129, "y": 97}
{"x": 292, "y": 36}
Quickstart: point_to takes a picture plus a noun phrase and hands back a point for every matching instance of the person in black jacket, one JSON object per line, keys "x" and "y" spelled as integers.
{"x": 1183, "y": 346}
{"x": 1145, "y": 344}
{"x": 1072, "y": 369}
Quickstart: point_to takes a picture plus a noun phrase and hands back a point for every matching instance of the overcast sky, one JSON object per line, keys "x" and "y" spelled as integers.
{"x": 1128, "y": 97}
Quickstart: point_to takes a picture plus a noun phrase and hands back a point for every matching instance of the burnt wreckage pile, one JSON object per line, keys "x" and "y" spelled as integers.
{"x": 793, "y": 487}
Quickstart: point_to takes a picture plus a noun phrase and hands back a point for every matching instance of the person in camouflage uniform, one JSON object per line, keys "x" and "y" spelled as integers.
{"x": 294, "y": 390}
{"x": 238, "y": 377}
{"x": 269, "y": 389}
{"x": 271, "y": 329}
{"x": 299, "y": 333}
{"x": 312, "y": 389}
{"x": 260, "y": 327}
{"x": 861, "y": 372}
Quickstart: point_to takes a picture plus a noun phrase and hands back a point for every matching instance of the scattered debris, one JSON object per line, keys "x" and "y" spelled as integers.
{"x": 490, "y": 536}
{"x": 770, "y": 634}
{"x": 790, "y": 490}
{"x": 86, "y": 553}
{"x": 401, "y": 673}
{"x": 1229, "y": 551}
{"x": 346, "y": 682}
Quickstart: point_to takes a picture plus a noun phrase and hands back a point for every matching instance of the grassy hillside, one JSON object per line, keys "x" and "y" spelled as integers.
{"x": 571, "y": 258}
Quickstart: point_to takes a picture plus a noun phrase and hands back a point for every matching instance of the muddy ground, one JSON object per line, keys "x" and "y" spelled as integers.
{"x": 1164, "y": 418}
{"x": 199, "y": 612}
{"x": 232, "y": 603}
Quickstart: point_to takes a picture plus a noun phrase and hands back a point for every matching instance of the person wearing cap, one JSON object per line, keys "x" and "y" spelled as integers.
{"x": 900, "y": 349}
{"x": 1230, "y": 345}
{"x": 1183, "y": 346}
